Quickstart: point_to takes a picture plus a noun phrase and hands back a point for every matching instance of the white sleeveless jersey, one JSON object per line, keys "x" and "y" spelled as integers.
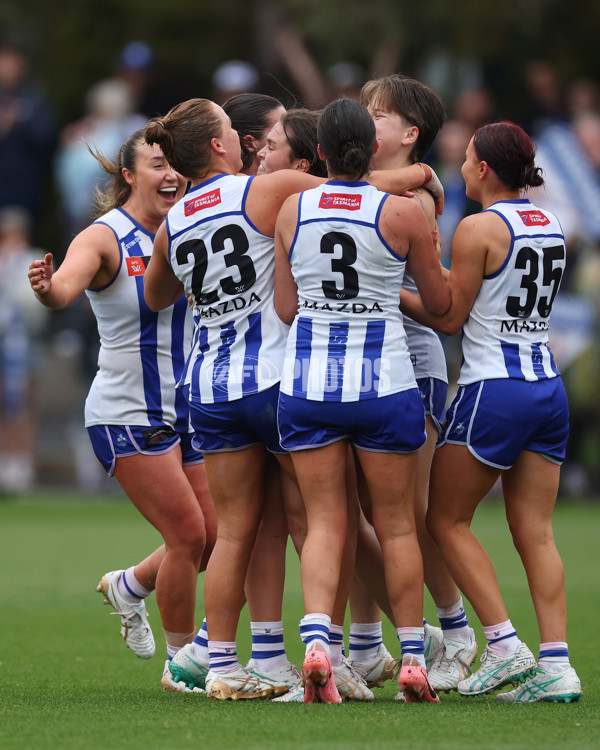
{"x": 347, "y": 342}
{"x": 142, "y": 353}
{"x": 506, "y": 333}
{"x": 228, "y": 266}
{"x": 426, "y": 350}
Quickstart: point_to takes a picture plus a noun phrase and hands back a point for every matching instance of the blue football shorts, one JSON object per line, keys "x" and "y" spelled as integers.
{"x": 110, "y": 442}
{"x": 433, "y": 393}
{"x": 234, "y": 425}
{"x": 497, "y": 419}
{"x": 390, "y": 424}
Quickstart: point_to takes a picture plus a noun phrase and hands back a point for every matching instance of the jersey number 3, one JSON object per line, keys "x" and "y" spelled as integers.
{"x": 343, "y": 265}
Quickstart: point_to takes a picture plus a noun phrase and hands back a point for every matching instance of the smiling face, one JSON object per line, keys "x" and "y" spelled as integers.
{"x": 395, "y": 137}
{"x": 154, "y": 183}
{"x": 277, "y": 153}
{"x": 272, "y": 118}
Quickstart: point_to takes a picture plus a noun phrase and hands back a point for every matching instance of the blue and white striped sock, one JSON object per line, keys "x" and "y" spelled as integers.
{"x": 315, "y": 628}
{"x": 454, "y": 623}
{"x": 201, "y": 643}
{"x": 412, "y": 643}
{"x": 364, "y": 641}
{"x": 502, "y": 638}
{"x": 267, "y": 645}
{"x": 223, "y": 656}
{"x": 336, "y": 645}
{"x": 130, "y": 588}
{"x": 554, "y": 656}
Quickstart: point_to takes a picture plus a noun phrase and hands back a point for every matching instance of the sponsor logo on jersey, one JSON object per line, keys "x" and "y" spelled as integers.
{"x": 137, "y": 266}
{"x": 340, "y": 200}
{"x": 533, "y": 218}
{"x": 202, "y": 201}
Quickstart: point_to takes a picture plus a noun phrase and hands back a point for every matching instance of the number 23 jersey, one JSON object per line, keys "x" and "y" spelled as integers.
{"x": 228, "y": 267}
{"x": 506, "y": 333}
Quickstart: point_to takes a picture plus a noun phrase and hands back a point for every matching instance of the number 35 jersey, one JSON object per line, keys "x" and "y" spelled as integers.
{"x": 506, "y": 333}
{"x": 228, "y": 267}
{"x": 347, "y": 342}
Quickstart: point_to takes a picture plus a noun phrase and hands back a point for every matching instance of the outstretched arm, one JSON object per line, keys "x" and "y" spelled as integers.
{"x": 90, "y": 260}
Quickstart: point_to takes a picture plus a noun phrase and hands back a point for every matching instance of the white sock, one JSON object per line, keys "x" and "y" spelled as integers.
{"x": 314, "y": 628}
{"x": 502, "y": 638}
{"x": 267, "y": 645}
{"x": 412, "y": 643}
{"x": 554, "y": 657}
{"x": 130, "y": 588}
{"x": 364, "y": 641}
{"x": 454, "y": 622}
{"x": 200, "y": 643}
{"x": 336, "y": 645}
{"x": 223, "y": 656}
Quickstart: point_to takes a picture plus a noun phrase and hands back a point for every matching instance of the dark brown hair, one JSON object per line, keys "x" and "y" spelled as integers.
{"x": 300, "y": 130}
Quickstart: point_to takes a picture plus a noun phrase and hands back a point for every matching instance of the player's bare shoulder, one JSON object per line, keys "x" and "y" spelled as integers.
{"x": 424, "y": 198}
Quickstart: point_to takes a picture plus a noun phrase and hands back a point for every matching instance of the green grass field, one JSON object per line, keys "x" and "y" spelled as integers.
{"x": 67, "y": 680}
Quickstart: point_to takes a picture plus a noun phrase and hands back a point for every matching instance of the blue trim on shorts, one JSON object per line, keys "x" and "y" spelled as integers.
{"x": 191, "y": 453}
{"x": 110, "y": 442}
{"x": 434, "y": 393}
{"x": 498, "y": 419}
{"x": 390, "y": 424}
{"x": 235, "y": 425}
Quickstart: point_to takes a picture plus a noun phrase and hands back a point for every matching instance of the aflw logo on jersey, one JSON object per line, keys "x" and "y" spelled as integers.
{"x": 533, "y": 218}
{"x": 202, "y": 201}
{"x": 137, "y": 266}
{"x": 340, "y": 200}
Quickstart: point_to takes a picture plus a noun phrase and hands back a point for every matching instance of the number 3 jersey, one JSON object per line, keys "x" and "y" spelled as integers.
{"x": 347, "y": 341}
{"x": 506, "y": 333}
{"x": 228, "y": 267}
{"x": 142, "y": 353}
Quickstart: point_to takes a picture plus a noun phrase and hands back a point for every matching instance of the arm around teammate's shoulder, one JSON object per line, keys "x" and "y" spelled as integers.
{"x": 404, "y": 227}
{"x": 469, "y": 253}
{"x": 268, "y": 192}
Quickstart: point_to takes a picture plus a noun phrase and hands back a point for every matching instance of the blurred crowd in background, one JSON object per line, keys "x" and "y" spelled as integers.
{"x": 47, "y": 358}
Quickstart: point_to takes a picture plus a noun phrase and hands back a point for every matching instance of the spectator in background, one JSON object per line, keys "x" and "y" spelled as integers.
{"x": 234, "y": 77}
{"x": 345, "y": 78}
{"x": 583, "y": 97}
{"x": 475, "y": 107}
{"x": 109, "y": 121}
{"x": 21, "y": 320}
{"x": 546, "y": 100}
{"x": 451, "y": 144}
{"x": 136, "y": 66}
{"x": 27, "y": 134}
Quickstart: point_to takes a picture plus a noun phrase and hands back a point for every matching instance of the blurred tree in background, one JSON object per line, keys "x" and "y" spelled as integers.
{"x": 78, "y": 43}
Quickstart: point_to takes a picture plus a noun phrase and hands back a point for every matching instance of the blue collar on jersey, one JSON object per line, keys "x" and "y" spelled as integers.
{"x": 347, "y": 183}
{"x": 202, "y": 185}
